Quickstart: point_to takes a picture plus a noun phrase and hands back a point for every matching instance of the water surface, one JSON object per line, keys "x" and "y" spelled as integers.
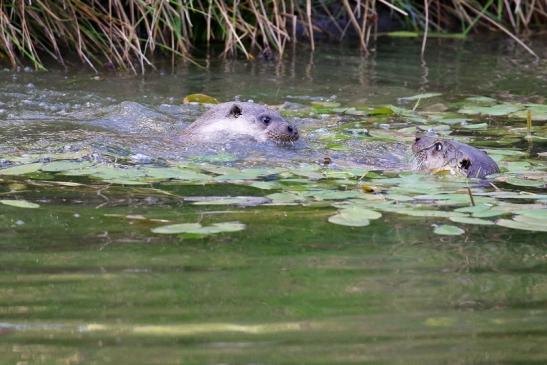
{"x": 84, "y": 280}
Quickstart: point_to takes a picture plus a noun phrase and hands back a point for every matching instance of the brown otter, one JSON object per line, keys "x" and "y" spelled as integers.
{"x": 234, "y": 119}
{"x": 433, "y": 153}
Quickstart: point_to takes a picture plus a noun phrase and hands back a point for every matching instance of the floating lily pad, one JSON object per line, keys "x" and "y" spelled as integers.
{"x": 21, "y": 169}
{"x": 494, "y": 111}
{"x": 527, "y": 226}
{"x": 163, "y": 173}
{"x": 228, "y": 200}
{"x": 285, "y": 198}
{"x": 60, "y": 166}
{"x": 476, "y": 126}
{"x": 481, "y": 100}
{"x": 199, "y": 98}
{"x": 246, "y": 174}
{"x": 538, "y": 112}
{"x": 354, "y": 216}
{"x": 448, "y": 230}
{"x": 539, "y": 214}
{"x": 19, "y": 203}
{"x": 196, "y": 228}
{"x": 325, "y": 104}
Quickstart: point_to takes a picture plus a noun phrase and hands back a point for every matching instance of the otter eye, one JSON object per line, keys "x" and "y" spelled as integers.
{"x": 266, "y": 120}
{"x": 438, "y": 146}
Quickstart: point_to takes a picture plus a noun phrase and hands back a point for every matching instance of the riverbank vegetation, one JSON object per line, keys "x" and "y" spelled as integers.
{"x": 126, "y": 33}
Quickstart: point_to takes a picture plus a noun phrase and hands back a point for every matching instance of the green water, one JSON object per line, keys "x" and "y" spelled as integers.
{"x": 84, "y": 280}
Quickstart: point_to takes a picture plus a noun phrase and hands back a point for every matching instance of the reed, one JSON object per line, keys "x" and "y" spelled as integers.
{"x": 126, "y": 33}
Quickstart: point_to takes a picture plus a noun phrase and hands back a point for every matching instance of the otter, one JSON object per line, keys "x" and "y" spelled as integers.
{"x": 432, "y": 153}
{"x": 235, "y": 119}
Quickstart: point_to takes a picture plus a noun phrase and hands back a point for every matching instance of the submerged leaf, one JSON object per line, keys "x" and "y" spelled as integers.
{"x": 19, "y": 203}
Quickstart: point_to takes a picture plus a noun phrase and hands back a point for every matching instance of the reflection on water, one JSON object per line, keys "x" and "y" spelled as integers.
{"x": 83, "y": 280}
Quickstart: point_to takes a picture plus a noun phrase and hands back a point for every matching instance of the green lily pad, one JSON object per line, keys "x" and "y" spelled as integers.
{"x": 523, "y": 225}
{"x": 325, "y": 104}
{"x": 176, "y": 173}
{"x": 481, "y": 100}
{"x": 476, "y": 126}
{"x": 494, "y": 111}
{"x": 538, "y": 214}
{"x": 538, "y": 112}
{"x": 196, "y": 228}
{"x": 448, "y": 230}
{"x": 354, "y": 216}
{"x": 352, "y": 221}
{"x": 246, "y": 174}
{"x": 19, "y": 203}
{"x": 285, "y": 198}
{"x": 21, "y": 169}
{"x": 59, "y": 166}
{"x": 199, "y": 98}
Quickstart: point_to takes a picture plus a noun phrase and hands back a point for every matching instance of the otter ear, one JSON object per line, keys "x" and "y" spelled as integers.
{"x": 235, "y": 111}
{"x": 465, "y": 163}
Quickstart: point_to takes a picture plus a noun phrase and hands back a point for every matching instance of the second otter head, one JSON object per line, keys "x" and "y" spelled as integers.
{"x": 264, "y": 123}
{"x": 432, "y": 153}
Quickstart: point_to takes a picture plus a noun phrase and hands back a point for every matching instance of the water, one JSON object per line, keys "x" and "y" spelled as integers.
{"x": 84, "y": 280}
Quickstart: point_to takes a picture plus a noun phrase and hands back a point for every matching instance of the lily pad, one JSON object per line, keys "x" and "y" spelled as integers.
{"x": 523, "y": 225}
{"x": 199, "y": 98}
{"x": 21, "y": 169}
{"x": 476, "y": 126}
{"x": 59, "y": 166}
{"x": 448, "y": 230}
{"x": 196, "y": 228}
{"x": 227, "y": 200}
{"x": 494, "y": 111}
{"x": 354, "y": 216}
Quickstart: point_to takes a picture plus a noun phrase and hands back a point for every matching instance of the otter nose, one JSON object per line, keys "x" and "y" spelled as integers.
{"x": 292, "y": 130}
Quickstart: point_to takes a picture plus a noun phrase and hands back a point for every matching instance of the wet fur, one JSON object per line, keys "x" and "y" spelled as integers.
{"x": 432, "y": 153}
{"x": 236, "y": 119}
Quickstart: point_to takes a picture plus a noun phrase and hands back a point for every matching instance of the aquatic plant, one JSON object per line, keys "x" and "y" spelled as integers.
{"x": 126, "y": 34}
{"x": 345, "y": 195}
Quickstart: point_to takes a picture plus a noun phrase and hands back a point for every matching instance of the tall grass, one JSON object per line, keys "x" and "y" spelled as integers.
{"x": 125, "y": 33}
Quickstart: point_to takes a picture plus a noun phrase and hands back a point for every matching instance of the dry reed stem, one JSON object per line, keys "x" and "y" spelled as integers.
{"x": 124, "y": 33}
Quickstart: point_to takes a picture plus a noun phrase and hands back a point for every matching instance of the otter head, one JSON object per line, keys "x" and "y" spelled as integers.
{"x": 266, "y": 124}
{"x": 433, "y": 154}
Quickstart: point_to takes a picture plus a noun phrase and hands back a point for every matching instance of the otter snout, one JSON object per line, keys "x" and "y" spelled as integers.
{"x": 292, "y": 131}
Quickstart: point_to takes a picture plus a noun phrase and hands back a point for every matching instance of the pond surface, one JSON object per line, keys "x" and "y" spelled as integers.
{"x": 122, "y": 245}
